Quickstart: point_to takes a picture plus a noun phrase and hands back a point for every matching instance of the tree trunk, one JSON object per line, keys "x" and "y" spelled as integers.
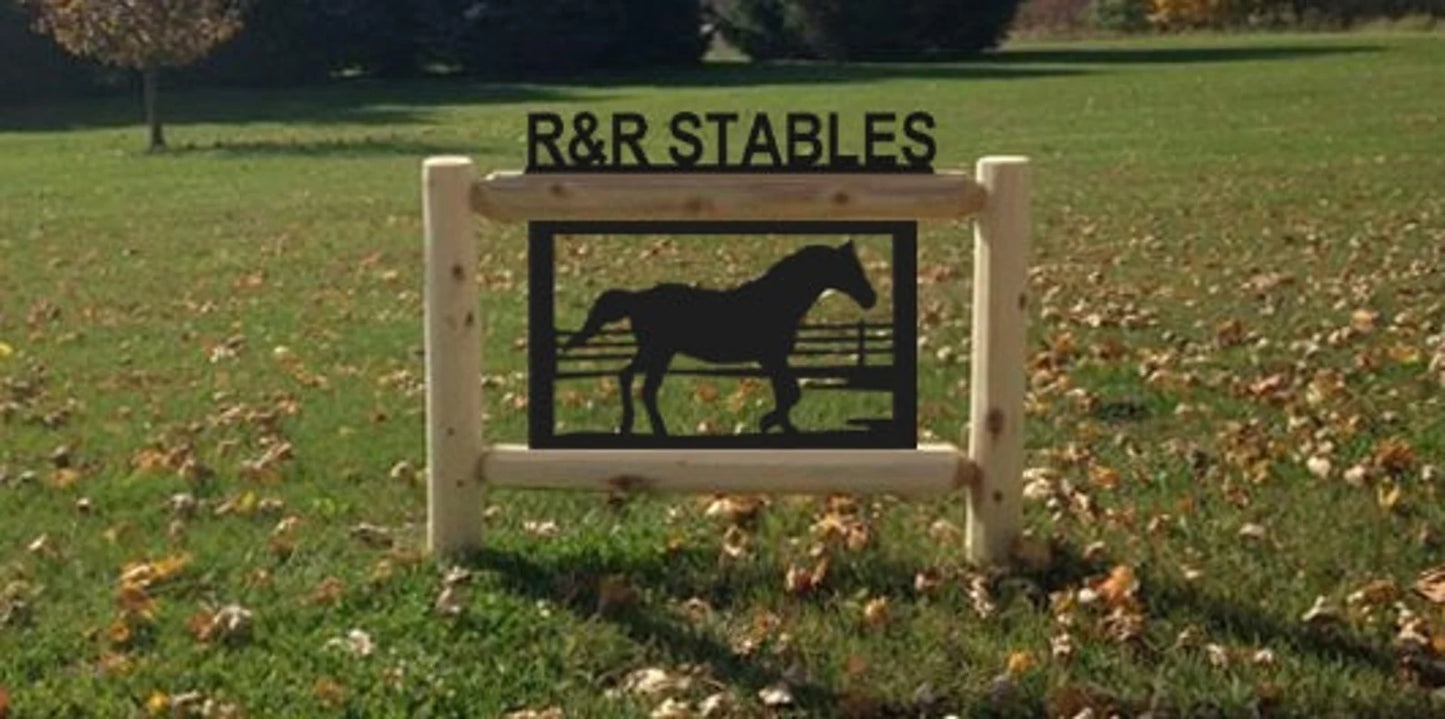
{"x": 150, "y": 79}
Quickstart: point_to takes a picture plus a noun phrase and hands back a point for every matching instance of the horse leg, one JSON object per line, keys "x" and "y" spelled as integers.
{"x": 785, "y": 394}
{"x": 624, "y": 388}
{"x": 656, "y": 367}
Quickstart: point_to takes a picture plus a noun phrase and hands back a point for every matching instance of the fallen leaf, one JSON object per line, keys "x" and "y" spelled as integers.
{"x": 1250, "y": 530}
{"x": 653, "y": 681}
{"x": 356, "y": 641}
{"x": 373, "y": 536}
{"x": 1119, "y": 588}
{"x": 777, "y": 695}
{"x": 801, "y": 580}
{"x": 540, "y": 528}
{"x": 1388, "y": 496}
{"x": 548, "y": 713}
{"x": 671, "y": 708}
{"x": 328, "y": 692}
{"x": 1378, "y": 592}
{"x": 875, "y": 611}
{"x": 1320, "y": 613}
{"x": 714, "y": 705}
{"x": 329, "y": 591}
{"x": 230, "y": 623}
{"x": 452, "y": 601}
{"x": 1431, "y": 584}
{"x": 734, "y": 509}
{"x": 1319, "y": 466}
{"x": 1019, "y": 663}
{"x": 1061, "y": 646}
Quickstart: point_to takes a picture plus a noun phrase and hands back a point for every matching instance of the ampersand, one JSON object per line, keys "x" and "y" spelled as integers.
{"x": 584, "y": 150}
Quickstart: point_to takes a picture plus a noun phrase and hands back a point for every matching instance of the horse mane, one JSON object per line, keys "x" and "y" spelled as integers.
{"x": 789, "y": 265}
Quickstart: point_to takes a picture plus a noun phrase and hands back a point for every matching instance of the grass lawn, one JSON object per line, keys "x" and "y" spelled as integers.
{"x": 211, "y": 413}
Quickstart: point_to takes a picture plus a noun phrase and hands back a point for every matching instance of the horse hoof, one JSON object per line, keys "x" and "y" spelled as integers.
{"x": 766, "y": 423}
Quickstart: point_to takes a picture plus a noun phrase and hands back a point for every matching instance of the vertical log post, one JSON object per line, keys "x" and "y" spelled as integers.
{"x": 1000, "y": 304}
{"x": 453, "y": 358}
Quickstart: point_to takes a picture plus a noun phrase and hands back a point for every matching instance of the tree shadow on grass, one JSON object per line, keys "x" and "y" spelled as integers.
{"x": 1007, "y": 64}
{"x": 359, "y": 102}
{"x": 1170, "y": 55}
{"x": 370, "y": 146}
{"x": 575, "y": 579}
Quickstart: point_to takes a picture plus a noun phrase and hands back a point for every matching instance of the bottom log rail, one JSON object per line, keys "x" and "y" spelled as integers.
{"x": 930, "y": 469}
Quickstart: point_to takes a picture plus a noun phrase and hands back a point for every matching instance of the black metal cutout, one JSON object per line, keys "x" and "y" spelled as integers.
{"x": 754, "y": 329}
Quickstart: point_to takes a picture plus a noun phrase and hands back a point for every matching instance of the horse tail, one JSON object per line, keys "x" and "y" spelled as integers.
{"x": 612, "y": 306}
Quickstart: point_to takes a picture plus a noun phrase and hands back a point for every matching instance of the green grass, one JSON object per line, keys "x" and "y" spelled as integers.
{"x": 1170, "y": 174}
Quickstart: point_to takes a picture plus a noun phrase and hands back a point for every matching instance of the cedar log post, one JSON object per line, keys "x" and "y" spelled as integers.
{"x": 1000, "y": 313}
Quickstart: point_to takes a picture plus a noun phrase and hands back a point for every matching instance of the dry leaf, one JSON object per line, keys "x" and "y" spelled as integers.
{"x": 356, "y": 641}
{"x": 329, "y": 591}
{"x": 452, "y": 601}
{"x": 548, "y": 713}
{"x": 801, "y": 580}
{"x": 1431, "y": 584}
{"x": 875, "y": 611}
{"x": 1019, "y": 663}
{"x": 653, "y": 681}
{"x": 777, "y": 695}
{"x": 540, "y": 528}
{"x": 714, "y": 705}
{"x": 927, "y": 581}
{"x": 1119, "y": 588}
{"x": 373, "y": 536}
{"x": 1320, "y": 613}
{"x": 329, "y": 692}
{"x": 735, "y": 542}
{"x": 1388, "y": 495}
{"x": 672, "y": 709}
{"x": 1376, "y": 592}
{"x": 1251, "y": 530}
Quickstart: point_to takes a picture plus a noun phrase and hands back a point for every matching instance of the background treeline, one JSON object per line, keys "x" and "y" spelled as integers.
{"x": 289, "y": 42}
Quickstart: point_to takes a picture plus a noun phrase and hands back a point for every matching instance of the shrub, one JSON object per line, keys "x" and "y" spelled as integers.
{"x": 863, "y": 29}
{"x": 512, "y": 39}
{"x": 1053, "y": 15}
{"x": 1121, "y": 15}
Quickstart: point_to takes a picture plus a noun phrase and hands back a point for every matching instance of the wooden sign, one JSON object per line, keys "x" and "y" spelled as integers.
{"x": 824, "y": 306}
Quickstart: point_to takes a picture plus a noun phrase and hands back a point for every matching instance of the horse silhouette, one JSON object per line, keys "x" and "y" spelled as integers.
{"x": 753, "y": 322}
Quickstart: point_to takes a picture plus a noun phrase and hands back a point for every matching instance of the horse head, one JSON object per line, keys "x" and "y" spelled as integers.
{"x": 848, "y": 276}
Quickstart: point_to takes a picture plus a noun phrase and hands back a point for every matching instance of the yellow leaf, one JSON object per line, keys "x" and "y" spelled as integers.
{"x": 1387, "y": 495}
{"x": 158, "y": 704}
{"x": 875, "y": 612}
{"x": 1019, "y": 663}
{"x": 118, "y": 633}
{"x": 64, "y": 478}
{"x": 6, "y": 351}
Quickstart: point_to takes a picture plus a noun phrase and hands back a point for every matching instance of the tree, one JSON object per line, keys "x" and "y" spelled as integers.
{"x": 143, "y": 35}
